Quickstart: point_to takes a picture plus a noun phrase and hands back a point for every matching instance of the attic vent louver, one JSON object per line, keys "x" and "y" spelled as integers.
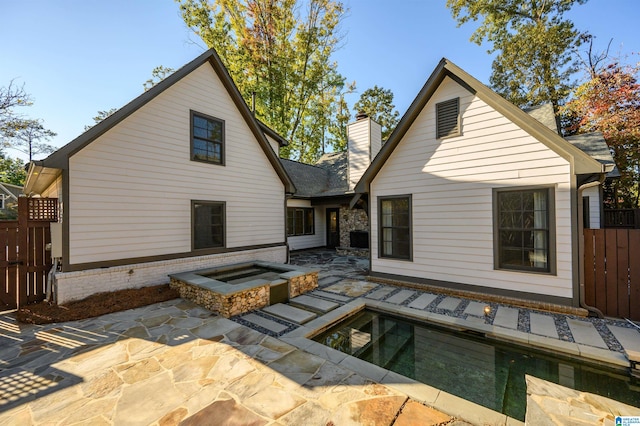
{"x": 448, "y": 118}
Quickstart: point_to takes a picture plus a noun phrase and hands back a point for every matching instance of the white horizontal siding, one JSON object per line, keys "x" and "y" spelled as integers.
{"x": 451, "y": 182}
{"x": 130, "y": 190}
{"x": 593, "y": 194}
{"x": 319, "y": 238}
{"x": 275, "y": 146}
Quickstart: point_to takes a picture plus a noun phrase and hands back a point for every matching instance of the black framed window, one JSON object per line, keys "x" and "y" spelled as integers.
{"x": 300, "y": 221}
{"x": 524, "y": 231}
{"x": 208, "y": 224}
{"x": 448, "y": 119}
{"x": 394, "y": 221}
{"x": 207, "y": 139}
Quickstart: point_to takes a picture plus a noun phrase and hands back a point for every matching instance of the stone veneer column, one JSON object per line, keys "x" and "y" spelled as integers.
{"x": 351, "y": 220}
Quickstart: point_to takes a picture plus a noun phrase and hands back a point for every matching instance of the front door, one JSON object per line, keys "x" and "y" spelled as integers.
{"x": 333, "y": 228}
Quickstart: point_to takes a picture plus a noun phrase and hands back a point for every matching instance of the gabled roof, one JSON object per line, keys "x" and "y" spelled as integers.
{"x": 581, "y": 162}
{"x": 60, "y": 158}
{"x": 13, "y": 191}
{"x": 273, "y": 134}
{"x": 327, "y": 178}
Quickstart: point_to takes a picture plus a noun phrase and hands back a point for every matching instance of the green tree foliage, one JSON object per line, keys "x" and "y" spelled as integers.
{"x": 609, "y": 102}
{"x": 377, "y": 103}
{"x": 12, "y": 170}
{"x": 534, "y": 43}
{"x": 101, "y": 115}
{"x": 28, "y": 136}
{"x": 158, "y": 74}
{"x": 280, "y": 51}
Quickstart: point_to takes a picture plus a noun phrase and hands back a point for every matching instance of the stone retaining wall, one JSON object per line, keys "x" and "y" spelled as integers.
{"x": 301, "y": 284}
{"x": 226, "y": 305}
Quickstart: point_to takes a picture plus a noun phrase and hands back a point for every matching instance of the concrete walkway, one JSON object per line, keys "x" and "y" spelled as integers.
{"x": 176, "y": 363}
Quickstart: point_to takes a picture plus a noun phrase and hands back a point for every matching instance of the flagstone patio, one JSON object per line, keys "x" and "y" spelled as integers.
{"x": 177, "y": 363}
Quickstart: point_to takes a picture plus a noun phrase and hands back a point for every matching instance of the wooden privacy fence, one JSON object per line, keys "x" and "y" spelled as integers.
{"x": 24, "y": 260}
{"x": 612, "y": 271}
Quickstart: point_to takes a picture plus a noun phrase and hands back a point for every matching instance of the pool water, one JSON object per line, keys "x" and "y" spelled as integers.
{"x": 480, "y": 370}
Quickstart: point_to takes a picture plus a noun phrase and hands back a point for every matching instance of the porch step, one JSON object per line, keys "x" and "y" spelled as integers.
{"x": 313, "y": 304}
{"x": 289, "y": 313}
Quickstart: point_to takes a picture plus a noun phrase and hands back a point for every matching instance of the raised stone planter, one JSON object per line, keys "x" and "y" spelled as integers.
{"x": 227, "y": 299}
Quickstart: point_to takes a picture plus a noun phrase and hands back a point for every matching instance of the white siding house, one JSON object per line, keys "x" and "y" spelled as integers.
{"x": 472, "y": 194}
{"x": 137, "y": 189}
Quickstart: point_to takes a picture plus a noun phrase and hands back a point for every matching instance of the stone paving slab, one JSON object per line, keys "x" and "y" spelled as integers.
{"x": 380, "y": 293}
{"x": 585, "y": 333}
{"x": 423, "y": 301}
{"x": 313, "y": 303}
{"x": 400, "y": 297}
{"x": 475, "y": 308}
{"x": 543, "y": 325}
{"x": 629, "y": 338}
{"x": 332, "y": 296}
{"x": 449, "y": 303}
{"x": 263, "y": 322}
{"x": 506, "y": 317}
{"x": 290, "y": 313}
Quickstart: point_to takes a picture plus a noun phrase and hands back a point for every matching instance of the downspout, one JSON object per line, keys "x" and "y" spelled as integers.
{"x": 592, "y": 309}
{"x": 286, "y": 236}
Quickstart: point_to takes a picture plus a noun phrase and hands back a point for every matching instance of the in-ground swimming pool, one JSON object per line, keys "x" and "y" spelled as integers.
{"x": 480, "y": 370}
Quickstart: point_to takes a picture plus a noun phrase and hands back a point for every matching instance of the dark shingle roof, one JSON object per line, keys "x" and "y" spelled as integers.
{"x": 596, "y": 146}
{"x": 327, "y": 178}
{"x": 544, "y": 114}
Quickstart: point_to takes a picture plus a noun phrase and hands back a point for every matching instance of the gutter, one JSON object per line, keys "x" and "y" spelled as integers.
{"x": 592, "y": 309}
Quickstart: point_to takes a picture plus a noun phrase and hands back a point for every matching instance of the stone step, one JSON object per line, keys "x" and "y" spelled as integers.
{"x": 423, "y": 301}
{"x": 266, "y": 323}
{"x": 289, "y": 313}
{"x": 629, "y": 338}
{"x": 544, "y": 325}
{"x": 380, "y": 293}
{"x": 400, "y": 297}
{"x": 507, "y": 317}
{"x": 585, "y": 333}
{"x": 449, "y": 304}
{"x": 330, "y": 295}
{"x": 475, "y": 308}
{"x": 313, "y": 304}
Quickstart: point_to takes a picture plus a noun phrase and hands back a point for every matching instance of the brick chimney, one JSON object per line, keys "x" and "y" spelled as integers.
{"x": 364, "y": 139}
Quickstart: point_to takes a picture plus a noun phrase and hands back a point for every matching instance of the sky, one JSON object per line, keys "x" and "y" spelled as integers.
{"x": 76, "y": 57}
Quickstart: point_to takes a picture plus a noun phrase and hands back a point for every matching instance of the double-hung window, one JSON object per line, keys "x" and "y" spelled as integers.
{"x": 208, "y": 224}
{"x": 300, "y": 221}
{"x": 207, "y": 139}
{"x": 394, "y": 222}
{"x": 524, "y": 231}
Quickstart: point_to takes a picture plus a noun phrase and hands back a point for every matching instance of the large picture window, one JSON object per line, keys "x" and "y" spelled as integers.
{"x": 300, "y": 221}
{"x": 208, "y": 223}
{"x": 524, "y": 231}
{"x": 207, "y": 139}
{"x": 395, "y": 226}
